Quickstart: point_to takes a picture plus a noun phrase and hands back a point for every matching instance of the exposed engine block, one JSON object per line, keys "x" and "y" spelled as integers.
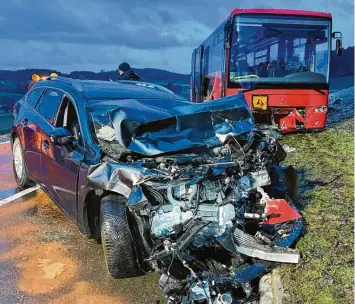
{"x": 207, "y": 200}
{"x": 209, "y": 215}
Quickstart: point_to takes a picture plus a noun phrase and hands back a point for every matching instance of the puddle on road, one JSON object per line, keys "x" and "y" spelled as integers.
{"x": 44, "y": 268}
{"x": 4, "y": 246}
{"x": 8, "y": 192}
{"x": 83, "y": 293}
{"x": 56, "y": 264}
{"x": 5, "y": 161}
{"x": 8, "y": 184}
{"x": 8, "y": 291}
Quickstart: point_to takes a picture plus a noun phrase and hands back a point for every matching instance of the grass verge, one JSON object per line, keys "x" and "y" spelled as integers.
{"x": 325, "y": 162}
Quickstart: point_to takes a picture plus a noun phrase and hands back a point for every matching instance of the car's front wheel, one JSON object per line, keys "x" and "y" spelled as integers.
{"x": 19, "y": 166}
{"x": 116, "y": 238}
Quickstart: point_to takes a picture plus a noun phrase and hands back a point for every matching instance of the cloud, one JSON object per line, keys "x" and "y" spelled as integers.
{"x": 67, "y": 57}
{"x": 111, "y": 24}
{"x": 96, "y": 34}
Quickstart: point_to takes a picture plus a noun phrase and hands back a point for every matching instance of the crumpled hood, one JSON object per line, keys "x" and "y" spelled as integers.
{"x": 153, "y": 127}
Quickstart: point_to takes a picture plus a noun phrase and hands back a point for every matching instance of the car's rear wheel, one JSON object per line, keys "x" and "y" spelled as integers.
{"x": 19, "y": 166}
{"x": 116, "y": 238}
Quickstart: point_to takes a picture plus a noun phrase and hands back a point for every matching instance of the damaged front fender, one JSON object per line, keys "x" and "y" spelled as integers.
{"x": 210, "y": 207}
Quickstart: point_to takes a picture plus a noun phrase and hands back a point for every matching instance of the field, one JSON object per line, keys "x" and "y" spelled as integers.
{"x": 325, "y": 165}
{"x": 16, "y": 95}
{"x": 341, "y": 83}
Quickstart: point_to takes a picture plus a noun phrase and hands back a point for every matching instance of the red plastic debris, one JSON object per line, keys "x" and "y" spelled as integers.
{"x": 279, "y": 211}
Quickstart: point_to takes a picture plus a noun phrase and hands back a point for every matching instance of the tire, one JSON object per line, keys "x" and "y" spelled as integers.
{"x": 116, "y": 238}
{"x": 19, "y": 166}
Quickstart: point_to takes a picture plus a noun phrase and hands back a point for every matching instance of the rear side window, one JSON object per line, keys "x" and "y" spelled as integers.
{"x": 33, "y": 97}
{"x": 49, "y": 104}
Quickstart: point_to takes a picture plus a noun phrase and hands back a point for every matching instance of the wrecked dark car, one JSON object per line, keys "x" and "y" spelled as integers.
{"x": 192, "y": 191}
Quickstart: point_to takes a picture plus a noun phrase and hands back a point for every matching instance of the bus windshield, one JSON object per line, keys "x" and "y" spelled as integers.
{"x": 272, "y": 49}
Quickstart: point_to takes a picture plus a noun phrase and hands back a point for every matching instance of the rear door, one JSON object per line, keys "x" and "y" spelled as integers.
{"x": 32, "y": 134}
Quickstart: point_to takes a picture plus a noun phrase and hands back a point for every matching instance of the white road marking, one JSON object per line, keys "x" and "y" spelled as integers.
{"x": 18, "y": 195}
{"x": 4, "y": 142}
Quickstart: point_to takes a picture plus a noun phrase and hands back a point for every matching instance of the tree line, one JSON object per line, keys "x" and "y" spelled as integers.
{"x": 340, "y": 66}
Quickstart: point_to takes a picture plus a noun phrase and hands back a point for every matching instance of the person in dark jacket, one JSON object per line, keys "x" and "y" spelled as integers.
{"x": 126, "y": 73}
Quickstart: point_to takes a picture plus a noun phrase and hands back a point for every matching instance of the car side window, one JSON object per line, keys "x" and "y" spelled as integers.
{"x": 67, "y": 118}
{"x": 49, "y": 104}
{"x": 34, "y": 96}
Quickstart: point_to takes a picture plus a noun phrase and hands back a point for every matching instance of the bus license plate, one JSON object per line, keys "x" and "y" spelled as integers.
{"x": 260, "y": 102}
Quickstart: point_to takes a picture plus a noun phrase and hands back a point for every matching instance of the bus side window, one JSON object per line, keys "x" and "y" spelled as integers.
{"x": 217, "y": 56}
{"x": 206, "y": 59}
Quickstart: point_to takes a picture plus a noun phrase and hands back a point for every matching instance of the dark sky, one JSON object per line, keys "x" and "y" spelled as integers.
{"x": 99, "y": 34}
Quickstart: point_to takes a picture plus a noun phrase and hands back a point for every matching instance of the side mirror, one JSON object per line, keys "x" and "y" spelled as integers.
{"x": 338, "y": 42}
{"x": 339, "y": 47}
{"x": 61, "y": 136}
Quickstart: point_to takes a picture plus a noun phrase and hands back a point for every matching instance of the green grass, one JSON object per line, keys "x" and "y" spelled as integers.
{"x": 325, "y": 163}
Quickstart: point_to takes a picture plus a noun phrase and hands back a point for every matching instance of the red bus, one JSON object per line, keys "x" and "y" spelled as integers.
{"x": 278, "y": 58}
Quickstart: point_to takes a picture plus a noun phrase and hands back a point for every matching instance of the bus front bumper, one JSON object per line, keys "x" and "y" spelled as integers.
{"x": 293, "y": 119}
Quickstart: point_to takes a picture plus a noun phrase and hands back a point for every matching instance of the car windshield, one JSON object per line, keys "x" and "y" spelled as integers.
{"x": 272, "y": 49}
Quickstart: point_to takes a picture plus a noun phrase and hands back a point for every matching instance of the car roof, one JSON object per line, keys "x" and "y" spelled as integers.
{"x": 104, "y": 90}
{"x": 125, "y": 90}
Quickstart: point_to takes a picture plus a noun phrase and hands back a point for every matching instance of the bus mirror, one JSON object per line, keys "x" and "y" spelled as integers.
{"x": 227, "y": 35}
{"x": 339, "y": 47}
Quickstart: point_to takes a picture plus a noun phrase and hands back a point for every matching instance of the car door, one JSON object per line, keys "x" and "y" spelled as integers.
{"x": 60, "y": 163}
{"x": 32, "y": 134}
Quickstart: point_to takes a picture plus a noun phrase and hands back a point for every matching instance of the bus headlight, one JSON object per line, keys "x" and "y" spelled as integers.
{"x": 322, "y": 109}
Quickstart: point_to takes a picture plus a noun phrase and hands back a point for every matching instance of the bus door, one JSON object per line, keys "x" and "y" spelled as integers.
{"x": 192, "y": 79}
{"x": 197, "y": 74}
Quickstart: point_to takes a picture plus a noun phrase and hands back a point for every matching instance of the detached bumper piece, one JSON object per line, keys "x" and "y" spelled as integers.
{"x": 250, "y": 246}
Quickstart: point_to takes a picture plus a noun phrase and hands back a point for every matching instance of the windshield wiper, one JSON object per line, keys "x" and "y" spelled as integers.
{"x": 249, "y": 90}
{"x": 255, "y": 87}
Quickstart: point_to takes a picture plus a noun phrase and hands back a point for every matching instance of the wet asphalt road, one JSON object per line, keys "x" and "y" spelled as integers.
{"x": 45, "y": 259}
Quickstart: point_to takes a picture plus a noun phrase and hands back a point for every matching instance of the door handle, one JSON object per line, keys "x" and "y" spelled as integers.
{"x": 45, "y": 144}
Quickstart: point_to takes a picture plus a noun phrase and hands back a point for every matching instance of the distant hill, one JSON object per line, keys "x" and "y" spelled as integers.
{"x": 17, "y": 81}
{"x": 342, "y": 65}
{"x": 157, "y": 74}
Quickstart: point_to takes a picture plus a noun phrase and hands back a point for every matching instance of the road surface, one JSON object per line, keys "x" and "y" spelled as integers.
{"x": 45, "y": 259}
